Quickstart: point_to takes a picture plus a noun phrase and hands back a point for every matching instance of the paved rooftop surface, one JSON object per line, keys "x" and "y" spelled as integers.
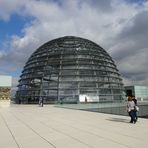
{"x": 31, "y": 126}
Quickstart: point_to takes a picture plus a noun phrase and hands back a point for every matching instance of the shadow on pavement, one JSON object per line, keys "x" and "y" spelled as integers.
{"x": 119, "y": 120}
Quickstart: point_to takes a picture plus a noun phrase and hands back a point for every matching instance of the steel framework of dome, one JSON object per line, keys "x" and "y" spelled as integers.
{"x": 70, "y": 69}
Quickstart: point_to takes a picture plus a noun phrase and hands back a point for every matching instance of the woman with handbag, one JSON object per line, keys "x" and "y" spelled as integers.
{"x": 131, "y": 109}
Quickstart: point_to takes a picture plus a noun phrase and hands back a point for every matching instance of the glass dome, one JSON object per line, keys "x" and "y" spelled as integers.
{"x": 70, "y": 70}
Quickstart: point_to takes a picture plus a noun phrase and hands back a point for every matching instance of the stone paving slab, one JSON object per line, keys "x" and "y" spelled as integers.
{"x": 31, "y": 126}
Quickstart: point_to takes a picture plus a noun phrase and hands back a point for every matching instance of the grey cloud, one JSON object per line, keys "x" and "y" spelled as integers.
{"x": 103, "y": 5}
{"x": 100, "y": 5}
{"x": 132, "y": 38}
{"x": 131, "y": 51}
{"x": 139, "y": 28}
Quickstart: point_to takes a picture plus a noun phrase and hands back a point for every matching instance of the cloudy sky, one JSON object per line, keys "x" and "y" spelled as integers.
{"x": 119, "y": 26}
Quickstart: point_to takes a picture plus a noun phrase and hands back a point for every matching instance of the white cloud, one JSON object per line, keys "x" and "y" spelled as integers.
{"x": 112, "y": 24}
{"x": 8, "y": 7}
{"x": 1, "y": 54}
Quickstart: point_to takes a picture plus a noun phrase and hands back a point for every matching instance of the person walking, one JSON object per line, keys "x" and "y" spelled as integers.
{"x": 41, "y": 101}
{"x": 131, "y": 109}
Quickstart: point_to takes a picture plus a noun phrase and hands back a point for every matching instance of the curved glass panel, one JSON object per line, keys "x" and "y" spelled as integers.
{"x": 70, "y": 69}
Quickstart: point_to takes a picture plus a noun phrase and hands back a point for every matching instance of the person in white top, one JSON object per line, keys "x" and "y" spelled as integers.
{"x": 131, "y": 109}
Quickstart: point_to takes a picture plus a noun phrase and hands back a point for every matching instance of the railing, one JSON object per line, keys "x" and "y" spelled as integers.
{"x": 118, "y": 108}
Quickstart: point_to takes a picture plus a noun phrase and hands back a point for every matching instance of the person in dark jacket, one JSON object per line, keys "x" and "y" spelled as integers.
{"x": 135, "y": 101}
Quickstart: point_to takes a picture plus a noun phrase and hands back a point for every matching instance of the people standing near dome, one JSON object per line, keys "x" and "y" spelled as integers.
{"x": 131, "y": 109}
{"x": 136, "y": 107}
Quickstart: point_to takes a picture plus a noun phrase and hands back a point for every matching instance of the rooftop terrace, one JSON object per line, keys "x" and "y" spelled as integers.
{"x": 31, "y": 126}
